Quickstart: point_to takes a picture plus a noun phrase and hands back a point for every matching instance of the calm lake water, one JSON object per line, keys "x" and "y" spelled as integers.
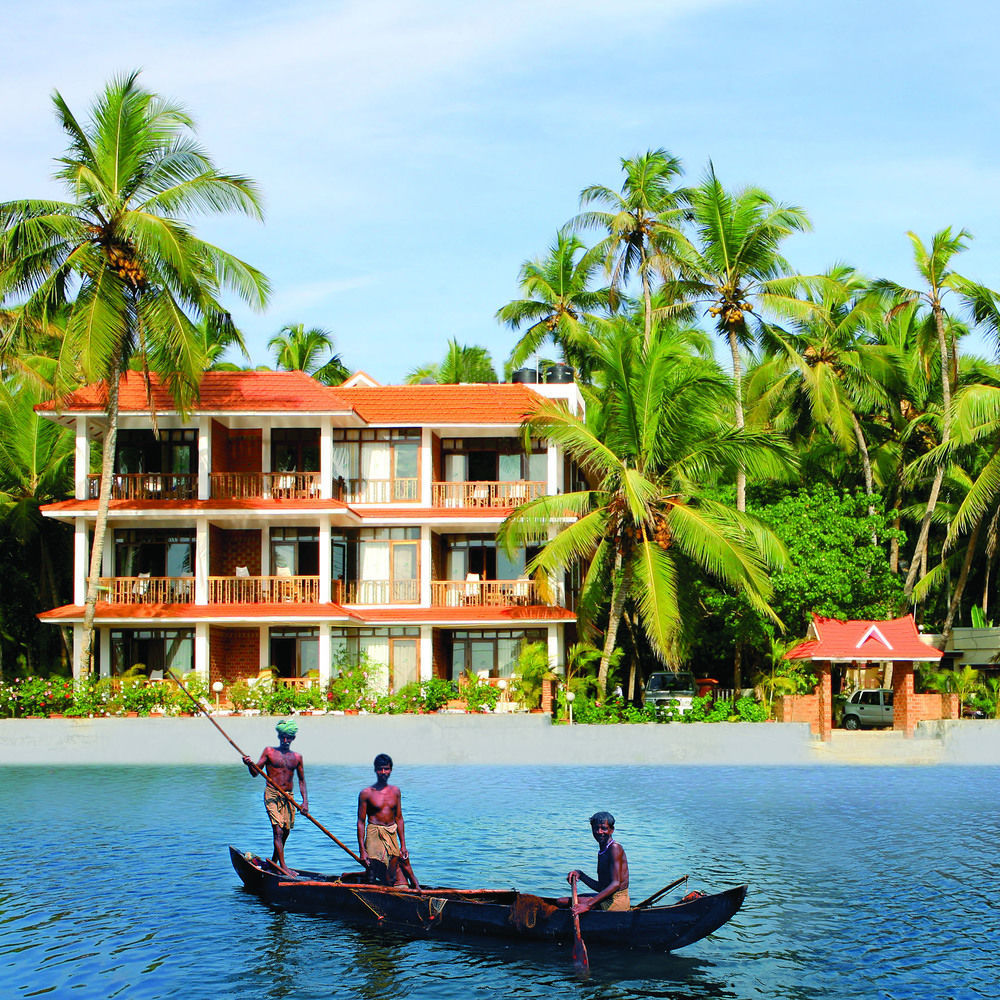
{"x": 863, "y": 882}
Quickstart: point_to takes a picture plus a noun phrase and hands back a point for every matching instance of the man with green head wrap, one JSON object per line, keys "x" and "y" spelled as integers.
{"x": 281, "y": 764}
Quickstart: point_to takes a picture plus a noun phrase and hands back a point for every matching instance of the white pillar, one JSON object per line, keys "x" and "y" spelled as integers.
{"x": 325, "y": 561}
{"x": 556, "y": 653}
{"x": 202, "y": 661}
{"x": 426, "y": 465}
{"x": 326, "y": 458}
{"x": 81, "y": 466}
{"x": 324, "y": 654}
{"x": 80, "y": 561}
{"x": 425, "y": 565}
{"x": 265, "y": 551}
{"x": 201, "y": 566}
{"x": 104, "y": 644}
{"x": 204, "y": 458}
{"x": 265, "y": 647}
{"x": 265, "y": 454}
{"x": 108, "y": 555}
{"x": 554, "y": 470}
{"x": 426, "y": 652}
{"x": 77, "y": 650}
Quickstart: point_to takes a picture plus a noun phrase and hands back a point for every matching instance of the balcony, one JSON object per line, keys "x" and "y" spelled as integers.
{"x": 221, "y": 590}
{"x": 267, "y": 590}
{"x": 383, "y": 592}
{"x": 146, "y": 589}
{"x": 483, "y": 593}
{"x": 265, "y": 485}
{"x": 147, "y": 486}
{"x": 486, "y": 494}
{"x": 382, "y": 490}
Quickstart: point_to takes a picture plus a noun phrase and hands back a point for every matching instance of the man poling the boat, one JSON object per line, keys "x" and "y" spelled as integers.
{"x": 281, "y": 764}
{"x": 382, "y": 842}
{"x": 611, "y": 885}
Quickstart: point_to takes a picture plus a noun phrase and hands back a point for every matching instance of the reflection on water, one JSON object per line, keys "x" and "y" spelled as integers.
{"x": 871, "y": 882}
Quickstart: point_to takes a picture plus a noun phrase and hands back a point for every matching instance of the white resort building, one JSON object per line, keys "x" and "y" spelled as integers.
{"x": 287, "y": 524}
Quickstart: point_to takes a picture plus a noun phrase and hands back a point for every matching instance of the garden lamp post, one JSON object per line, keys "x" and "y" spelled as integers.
{"x": 570, "y": 698}
{"x": 217, "y": 688}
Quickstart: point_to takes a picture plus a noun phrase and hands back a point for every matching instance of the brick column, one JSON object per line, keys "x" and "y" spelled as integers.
{"x": 904, "y": 708}
{"x": 549, "y": 696}
{"x": 824, "y": 698}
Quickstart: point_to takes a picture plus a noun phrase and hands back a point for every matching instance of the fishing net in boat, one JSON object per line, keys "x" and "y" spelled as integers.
{"x": 526, "y": 911}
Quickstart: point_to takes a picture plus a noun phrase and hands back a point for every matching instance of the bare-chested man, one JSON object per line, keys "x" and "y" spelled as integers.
{"x": 382, "y": 846}
{"x": 281, "y": 764}
{"x": 611, "y": 885}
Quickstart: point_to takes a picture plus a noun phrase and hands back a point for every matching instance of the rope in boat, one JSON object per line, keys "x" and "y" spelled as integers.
{"x": 357, "y": 895}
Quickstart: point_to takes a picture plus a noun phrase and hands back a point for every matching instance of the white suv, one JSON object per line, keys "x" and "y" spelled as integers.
{"x": 868, "y": 708}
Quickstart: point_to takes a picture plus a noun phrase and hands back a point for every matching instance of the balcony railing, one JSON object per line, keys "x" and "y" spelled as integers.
{"x": 265, "y": 485}
{"x": 486, "y": 494}
{"x": 382, "y": 490}
{"x": 147, "y": 486}
{"x": 267, "y": 590}
{"x": 484, "y": 593}
{"x": 146, "y": 589}
{"x": 383, "y": 592}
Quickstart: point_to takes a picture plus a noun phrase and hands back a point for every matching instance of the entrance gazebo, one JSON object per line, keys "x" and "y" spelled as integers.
{"x": 897, "y": 641}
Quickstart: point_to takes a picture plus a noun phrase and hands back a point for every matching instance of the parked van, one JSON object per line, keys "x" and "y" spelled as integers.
{"x": 665, "y": 687}
{"x": 867, "y": 709}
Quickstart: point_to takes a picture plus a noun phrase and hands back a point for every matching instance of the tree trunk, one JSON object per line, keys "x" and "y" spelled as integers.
{"x": 647, "y": 298}
{"x": 49, "y": 586}
{"x": 963, "y": 576}
{"x": 741, "y": 476}
{"x": 101, "y": 524}
{"x": 920, "y": 550}
{"x": 619, "y": 591}
{"x": 946, "y": 356}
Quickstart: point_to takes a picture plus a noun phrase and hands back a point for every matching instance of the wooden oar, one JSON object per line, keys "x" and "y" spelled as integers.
{"x": 580, "y": 960}
{"x": 295, "y": 805}
{"x": 656, "y": 895}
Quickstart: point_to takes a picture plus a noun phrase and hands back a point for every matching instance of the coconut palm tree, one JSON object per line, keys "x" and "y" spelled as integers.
{"x": 123, "y": 245}
{"x": 934, "y": 264}
{"x": 647, "y": 527}
{"x": 835, "y": 373}
{"x": 462, "y": 363}
{"x": 298, "y": 349}
{"x": 558, "y": 303}
{"x": 732, "y": 269}
{"x": 640, "y": 221}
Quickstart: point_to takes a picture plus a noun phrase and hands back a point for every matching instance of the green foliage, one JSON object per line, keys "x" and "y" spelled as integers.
{"x": 480, "y": 696}
{"x": 531, "y": 669}
{"x": 750, "y": 710}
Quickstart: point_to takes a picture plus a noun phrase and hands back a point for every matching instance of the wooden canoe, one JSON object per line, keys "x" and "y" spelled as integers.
{"x": 504, "y": 913}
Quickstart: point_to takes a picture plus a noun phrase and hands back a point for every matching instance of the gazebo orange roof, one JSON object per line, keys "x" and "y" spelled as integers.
{"x": 834, "y": 640}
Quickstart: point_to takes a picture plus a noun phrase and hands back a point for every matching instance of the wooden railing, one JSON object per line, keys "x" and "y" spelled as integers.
{"x": 382, "y": 490}
{"x": 265, "y": 485}
{"x": 383, "y": 592}
{"x": 485, "y": 593}
{"x": 485, "y": 494}
{"x": 267, "y": 590}
{"x": 147, "y": 486}
{"x": 146, "y": 589}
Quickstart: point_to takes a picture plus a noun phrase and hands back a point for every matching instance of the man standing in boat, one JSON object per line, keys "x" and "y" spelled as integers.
{"x": 611, "y": 886}
{"x": 281, "y": 764}
{"x": 382, "y": 843}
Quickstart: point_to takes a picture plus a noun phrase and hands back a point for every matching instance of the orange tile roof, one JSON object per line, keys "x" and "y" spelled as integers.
{"x": 442, "y": 404}
{"x": 220, "y": 391}
{"x": 471, "y": 616}
{"x": 896, "y": 639}
{"x": 252, "y": 391}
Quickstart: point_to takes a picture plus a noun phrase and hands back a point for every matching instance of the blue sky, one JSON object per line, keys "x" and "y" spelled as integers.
{"x": 413, "y": 154}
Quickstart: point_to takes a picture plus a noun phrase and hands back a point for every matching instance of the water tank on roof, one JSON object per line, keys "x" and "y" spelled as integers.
{"x": 558, "y": 374}
{"x": 525, "y": 375}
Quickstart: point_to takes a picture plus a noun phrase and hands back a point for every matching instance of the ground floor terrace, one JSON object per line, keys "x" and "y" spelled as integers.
{"x": 306, "y": 653}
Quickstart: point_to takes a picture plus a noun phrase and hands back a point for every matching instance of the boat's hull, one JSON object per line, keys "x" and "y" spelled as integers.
{"x": 484, "y": 912}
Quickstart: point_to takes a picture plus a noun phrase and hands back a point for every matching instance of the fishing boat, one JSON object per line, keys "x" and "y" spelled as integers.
{"x": 504, "y": 913}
